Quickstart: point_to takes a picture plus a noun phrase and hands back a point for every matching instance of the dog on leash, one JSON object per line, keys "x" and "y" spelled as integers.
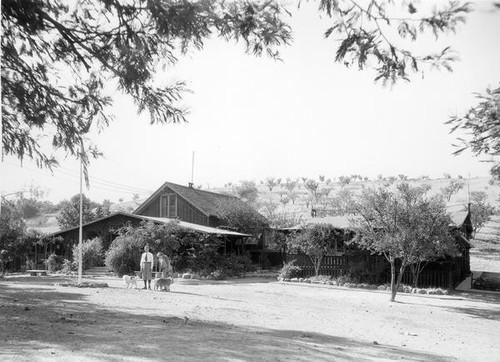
{"x": 162, "y": 284}
{"x": 130, "y": 281}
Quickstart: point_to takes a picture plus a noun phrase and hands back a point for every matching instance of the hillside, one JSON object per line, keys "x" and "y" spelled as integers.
{"x": 274, "y": 202}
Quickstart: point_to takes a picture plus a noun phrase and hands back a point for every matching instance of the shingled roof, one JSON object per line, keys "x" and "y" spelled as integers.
{"x": 207, "y": 202}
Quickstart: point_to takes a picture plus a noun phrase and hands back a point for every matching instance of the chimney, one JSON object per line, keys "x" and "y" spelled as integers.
{"x": 190, "y": 185}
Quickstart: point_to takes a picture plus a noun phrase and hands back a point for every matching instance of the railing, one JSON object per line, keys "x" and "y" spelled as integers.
{"x": 333, "y": 266}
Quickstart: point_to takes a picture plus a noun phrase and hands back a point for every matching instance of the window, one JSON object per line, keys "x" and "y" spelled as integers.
{"x": 168, "y": 205}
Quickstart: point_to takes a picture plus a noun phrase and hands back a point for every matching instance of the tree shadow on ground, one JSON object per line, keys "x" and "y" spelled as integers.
{"x": 490, "y": 310}
{"x": 46, "y": 323}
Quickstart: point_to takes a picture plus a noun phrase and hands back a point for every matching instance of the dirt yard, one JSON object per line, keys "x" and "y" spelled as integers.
{"x": 240, "y": 320}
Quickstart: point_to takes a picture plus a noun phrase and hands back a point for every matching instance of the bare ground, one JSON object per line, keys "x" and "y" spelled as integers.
{"x": 241, "y": 320}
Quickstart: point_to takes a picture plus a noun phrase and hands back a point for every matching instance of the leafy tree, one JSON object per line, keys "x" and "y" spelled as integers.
{"x": 57, "y": 58}
{"x": 292, "y": 195}
{"x": 399, "y": 224}
{"x": 344, "y": 181}
{"x": 481, "y": 210}
{"x": 268, "y": 209}
{"x": 290, "y": 184}
{"x": 271, "y": 183}
{"x": 240, "y": 217}
{"x": 285, "y": 200}
{"x": 247, "y": 191}
{"x": 316, "y": 241}
{"x": 12, "y": 232}
{"x": 70, "y": 213}
{"x": 482, "y": 124}
{"x": 453, "y": 187}
{"x": 312, "y": 187}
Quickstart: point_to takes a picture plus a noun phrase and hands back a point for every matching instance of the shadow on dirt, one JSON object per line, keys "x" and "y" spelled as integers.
{"x": 34, "y": 321}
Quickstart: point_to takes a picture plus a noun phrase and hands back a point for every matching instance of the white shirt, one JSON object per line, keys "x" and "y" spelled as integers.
{"x": 147, "y": 257}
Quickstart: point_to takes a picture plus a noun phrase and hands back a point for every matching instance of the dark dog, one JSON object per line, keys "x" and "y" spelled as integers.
{"x": 162, "y": 284}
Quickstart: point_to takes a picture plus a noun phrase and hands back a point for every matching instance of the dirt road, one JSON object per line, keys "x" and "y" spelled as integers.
{"x": 241, "y": 320}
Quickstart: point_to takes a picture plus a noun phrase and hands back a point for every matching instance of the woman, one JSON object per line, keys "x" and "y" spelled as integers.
{"x": 164, "y": 266}
{"x": 147, "y": 260}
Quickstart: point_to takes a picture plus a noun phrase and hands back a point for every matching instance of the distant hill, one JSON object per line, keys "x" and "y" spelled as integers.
{"x": 270, "y": 201}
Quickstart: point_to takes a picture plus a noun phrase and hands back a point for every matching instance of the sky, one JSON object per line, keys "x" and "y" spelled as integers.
{"x": 253, "y": 117}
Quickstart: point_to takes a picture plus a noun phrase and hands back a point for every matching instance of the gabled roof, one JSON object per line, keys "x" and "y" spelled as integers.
{"x": 162, "y": 220}
{"x": 205, "y": 201}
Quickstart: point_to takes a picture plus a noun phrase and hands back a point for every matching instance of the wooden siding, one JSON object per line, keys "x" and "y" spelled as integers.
{"x": 185, "y": 210}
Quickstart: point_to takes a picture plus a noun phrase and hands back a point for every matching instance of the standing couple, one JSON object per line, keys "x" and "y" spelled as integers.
{"x": 147, "y": 262}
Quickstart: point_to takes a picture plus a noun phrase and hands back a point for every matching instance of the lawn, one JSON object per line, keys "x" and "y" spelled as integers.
{"x": 241, "y": 320}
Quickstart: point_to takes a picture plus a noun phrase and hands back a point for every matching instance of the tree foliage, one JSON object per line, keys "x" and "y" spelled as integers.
{"x": 316, "y": 241}
{"x": 57, "y": 58}
{"x": 404, "y": 224}
{"x": 12, "y": 232}
{"x": 247, "y": 191}
{"x": 240, "y": 217}
{"x": 481, "y": 210}
{"x": 452, "y": 188}
{"x": 69, "y": 215}
{"x": 481, "y": 123}
{"x": 372, "y": 32}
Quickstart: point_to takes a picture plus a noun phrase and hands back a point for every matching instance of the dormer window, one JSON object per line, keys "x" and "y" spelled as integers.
{"x": 168, "y": 205}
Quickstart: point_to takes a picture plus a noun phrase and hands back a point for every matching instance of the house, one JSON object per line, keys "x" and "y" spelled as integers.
{"x": 194, "y": 209}
{"x": 446, "y": 272}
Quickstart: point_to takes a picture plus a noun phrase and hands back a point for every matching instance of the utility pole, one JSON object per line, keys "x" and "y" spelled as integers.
{"x": 80, "y": 233}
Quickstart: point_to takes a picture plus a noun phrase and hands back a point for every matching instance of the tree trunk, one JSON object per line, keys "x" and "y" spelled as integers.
{"x": 415, "y": 271}
{"x": 317, "y": 264}
{"x": 400, "y": 276}
{"x": 394, "y": 289}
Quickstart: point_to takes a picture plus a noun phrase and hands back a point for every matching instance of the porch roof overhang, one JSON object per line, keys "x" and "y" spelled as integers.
{"x": 163, "y": 220}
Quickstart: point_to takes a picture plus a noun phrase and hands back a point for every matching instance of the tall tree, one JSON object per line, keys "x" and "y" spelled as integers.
{"x": 481, "y": 210}
{"x": 398, "y": 223}
{"x": 240, "y": 217}
{"x": 453, "y": 187}
{"x": 69, "y": 215}
{"x": 316, "y": 241}
{"x": 12, "y": 233}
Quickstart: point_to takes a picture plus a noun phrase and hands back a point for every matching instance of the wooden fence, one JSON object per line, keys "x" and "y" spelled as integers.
{"x": 438, "y": 275}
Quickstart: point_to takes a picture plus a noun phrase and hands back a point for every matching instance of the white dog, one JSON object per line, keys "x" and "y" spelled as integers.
{"x": 130, "y": 281}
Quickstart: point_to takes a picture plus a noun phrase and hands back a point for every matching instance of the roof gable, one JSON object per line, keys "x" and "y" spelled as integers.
{"x": 205, "y": 201}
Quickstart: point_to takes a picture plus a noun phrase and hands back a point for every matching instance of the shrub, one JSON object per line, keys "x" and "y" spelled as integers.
{"x": 92, "y": 253}
{"x": 289, "y": 270}
{"x": 236, "y": 265}
{"x": 54, "y": 262}
{"x": 68, "y": 266}
{"x": 124, "y": 255}
{"x": 218, "y": 275}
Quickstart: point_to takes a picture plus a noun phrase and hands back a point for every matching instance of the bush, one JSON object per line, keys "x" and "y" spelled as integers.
{"x": 68, "y": 266}
{"x": 218, "y": 275}
{"x": 236, "y": 265}
{"x": 54, "y": 262}
{"x": 289, "y": 270}
{"x": 92, "y": 252}
{"x": 124, "y": 255}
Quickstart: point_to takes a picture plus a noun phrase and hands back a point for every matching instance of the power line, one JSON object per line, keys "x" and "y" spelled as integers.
{"x": 97, "y": 183}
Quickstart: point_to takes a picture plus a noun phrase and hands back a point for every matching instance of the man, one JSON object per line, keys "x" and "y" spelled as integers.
{"x": 147, "y": 260}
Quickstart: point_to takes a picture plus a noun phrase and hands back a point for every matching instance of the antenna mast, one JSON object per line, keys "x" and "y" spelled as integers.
{"x": 192, "y": 170}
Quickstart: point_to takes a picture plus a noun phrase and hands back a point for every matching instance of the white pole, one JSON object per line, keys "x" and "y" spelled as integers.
{"x": 80, "y": 234}
{"x": 192, "y": 170}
